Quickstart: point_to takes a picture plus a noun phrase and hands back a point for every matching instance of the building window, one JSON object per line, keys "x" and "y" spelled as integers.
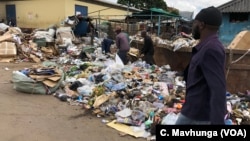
{"x": 238, "y": 17}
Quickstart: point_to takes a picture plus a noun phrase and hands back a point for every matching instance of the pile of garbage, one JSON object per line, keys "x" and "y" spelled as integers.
{"x": 137, "y": 94}
{"x": 178, "y": 41}
{"x": 130, "y": 98}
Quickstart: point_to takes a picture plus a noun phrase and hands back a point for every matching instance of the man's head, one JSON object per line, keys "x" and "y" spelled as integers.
{"x": 210, "y": 18}
{"x": 118, "y": 29}
{"x": 143, "y": 33}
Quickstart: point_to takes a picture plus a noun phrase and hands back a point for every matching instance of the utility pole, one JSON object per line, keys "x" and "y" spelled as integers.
{"x": 127, "y": 16}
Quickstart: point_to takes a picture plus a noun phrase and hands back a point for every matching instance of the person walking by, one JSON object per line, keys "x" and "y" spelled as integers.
{"x": 205, "y": 100}
{"x": 147, "y": 51}
{"x": 122, "y": 44}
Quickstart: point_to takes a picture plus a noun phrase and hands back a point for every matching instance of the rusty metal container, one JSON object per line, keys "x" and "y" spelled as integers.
{"x": 237, "y": 64}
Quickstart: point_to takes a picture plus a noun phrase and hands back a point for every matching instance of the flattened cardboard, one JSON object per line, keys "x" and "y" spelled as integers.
{"x": 8, "y": 49}
{"x": 134, "y": 51}
{"x": 6, "y": 60}
{"x": 43, "y": 77}
{"x": 125, "y": 129}
{"x": 5, "y": 37}
{"x": 55, "y": 78}
{"x": 34, "y": 58}
{"x": 47, "y": 50}
{"x": 49, "y": 83}
{"x": 39, "y": 77}
{"x": 100, "y": 100}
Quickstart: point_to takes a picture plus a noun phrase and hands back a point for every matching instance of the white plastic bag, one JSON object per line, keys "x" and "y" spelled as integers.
{"x": 169, "y": 119}
{"x": 118, "y": 61}
{"x": 18, "y": 76}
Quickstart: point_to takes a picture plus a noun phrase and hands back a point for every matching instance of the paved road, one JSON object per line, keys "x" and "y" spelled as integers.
{"x": 30, "y": 117}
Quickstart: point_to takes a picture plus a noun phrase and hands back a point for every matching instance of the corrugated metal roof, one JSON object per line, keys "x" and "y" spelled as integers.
{"x": 234, "y": 6}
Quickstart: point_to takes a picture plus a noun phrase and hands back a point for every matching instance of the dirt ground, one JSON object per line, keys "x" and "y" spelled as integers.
{"x": 30, "y": 117}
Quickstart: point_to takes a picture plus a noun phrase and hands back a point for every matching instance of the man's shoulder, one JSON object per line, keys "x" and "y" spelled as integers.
{"x": 122, "y": 34}
{"x": 148, "y": 37}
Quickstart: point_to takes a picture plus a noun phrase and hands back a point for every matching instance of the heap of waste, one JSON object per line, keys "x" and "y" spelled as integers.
{"x": 131, "y": 98}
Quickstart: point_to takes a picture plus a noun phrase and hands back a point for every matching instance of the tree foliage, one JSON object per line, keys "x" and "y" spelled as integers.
{"x": 144, "y": 4}
{"x": 173, "y": 10}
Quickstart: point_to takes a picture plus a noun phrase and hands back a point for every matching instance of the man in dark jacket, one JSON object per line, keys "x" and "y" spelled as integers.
{"x": 147, "y": 51}
{"x": 205, "y": 100}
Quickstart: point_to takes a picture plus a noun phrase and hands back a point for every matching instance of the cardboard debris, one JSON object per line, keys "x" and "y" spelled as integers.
{"x": 42, "y": 77}
{"x": 55, "y": 78}
{"x": 48, "y": 80}
{"x": 5, "y": 37}
{"x": 100, "y": 100}
{"x": 8, "y": 49}
{"x": 58, "y": 72}
{"x": 34, "y": 58}
{"x": 134, "y": 52}
{"x": 50, "y": 83}
{"x": 47, "y": 50}
{"x": 125, "y": 129}
{"x": 6, "y": 60}
{"x": 33, "y": 46}
{"x": 13, "y": 30}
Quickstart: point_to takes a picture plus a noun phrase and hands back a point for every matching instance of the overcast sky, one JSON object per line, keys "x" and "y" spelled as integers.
{"x": 190, "y": 5}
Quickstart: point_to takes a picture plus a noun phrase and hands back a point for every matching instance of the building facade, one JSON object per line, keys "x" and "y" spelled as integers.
{"x": 43, "y": 13}
{"x": 236, "y": 18}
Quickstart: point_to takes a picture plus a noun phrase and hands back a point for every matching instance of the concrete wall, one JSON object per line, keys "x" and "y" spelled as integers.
{"x": 229, "y": 30}
{"x": 37, "y": 13}
{"x": 2, "y": 11}
{"x": 43, "y": 13}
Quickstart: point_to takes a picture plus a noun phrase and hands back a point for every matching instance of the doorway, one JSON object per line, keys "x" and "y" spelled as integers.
{"x": 11, "y": 14}
{"x": 81, "y": 27}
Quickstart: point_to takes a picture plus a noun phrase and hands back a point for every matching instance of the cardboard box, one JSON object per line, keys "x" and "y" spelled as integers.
{"x": 8, "y": 49}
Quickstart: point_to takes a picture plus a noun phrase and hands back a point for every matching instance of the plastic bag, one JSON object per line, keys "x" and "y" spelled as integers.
{"x": 18, "y": 76}
{"x": 22, "y": 83}
{"x": 169, "y": 119}
{"x": 118, "y": 61}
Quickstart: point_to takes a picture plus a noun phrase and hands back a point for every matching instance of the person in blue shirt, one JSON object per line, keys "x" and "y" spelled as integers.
{"x": 205, "y": 100}
{"x": 106, "y": 44}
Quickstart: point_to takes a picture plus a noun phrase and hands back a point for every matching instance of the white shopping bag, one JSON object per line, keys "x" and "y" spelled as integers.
{"x": 118, "y": 61}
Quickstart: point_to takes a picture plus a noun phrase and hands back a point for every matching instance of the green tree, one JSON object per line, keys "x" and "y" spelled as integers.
{"x": 173, "y": 10}
{"x": 144, "y": 4}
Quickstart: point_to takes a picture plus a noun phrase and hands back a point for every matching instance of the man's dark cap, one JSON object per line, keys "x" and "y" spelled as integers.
{"x": 210, "y": 16}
